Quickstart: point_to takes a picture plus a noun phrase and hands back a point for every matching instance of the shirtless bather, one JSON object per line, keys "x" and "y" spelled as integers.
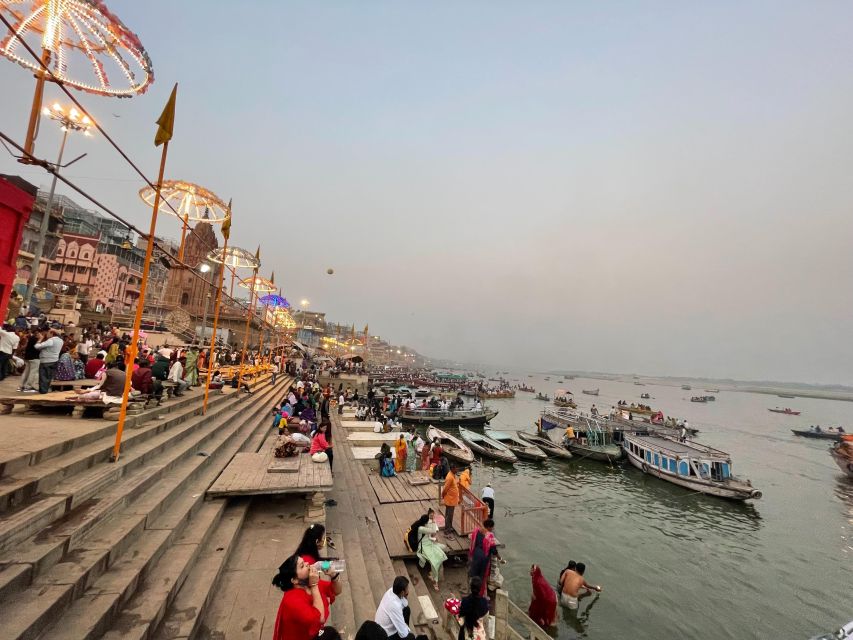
{"x": 571, "y": 582}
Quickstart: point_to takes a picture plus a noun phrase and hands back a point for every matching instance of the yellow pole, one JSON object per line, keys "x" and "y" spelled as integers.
{"x": 185, "y": 222}
{"x": 226, "y": 232}
{"x": 133, "y": 346}
{"x": 248, "y": 327}
{"x": 35, "y": 112}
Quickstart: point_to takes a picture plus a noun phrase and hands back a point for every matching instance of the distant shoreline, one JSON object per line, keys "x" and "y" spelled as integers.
{"x": 699, "y": 385}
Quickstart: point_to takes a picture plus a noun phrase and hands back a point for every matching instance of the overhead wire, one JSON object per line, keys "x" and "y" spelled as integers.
{"x": 48, "y": 167}
{"x": 58, "y": 81}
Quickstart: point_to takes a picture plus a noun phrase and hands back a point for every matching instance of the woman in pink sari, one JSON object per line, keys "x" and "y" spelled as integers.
{"x": 483, "y": 547}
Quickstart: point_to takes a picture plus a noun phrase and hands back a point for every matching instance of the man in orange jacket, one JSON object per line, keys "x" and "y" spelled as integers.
{"x": 450, "y": 495}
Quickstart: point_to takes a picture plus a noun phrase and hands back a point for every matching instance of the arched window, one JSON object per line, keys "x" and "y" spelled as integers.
{"x": 185, "y": 298}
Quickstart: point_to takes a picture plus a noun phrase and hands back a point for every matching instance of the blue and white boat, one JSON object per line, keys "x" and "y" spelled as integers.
{"x": 688, "y": 464}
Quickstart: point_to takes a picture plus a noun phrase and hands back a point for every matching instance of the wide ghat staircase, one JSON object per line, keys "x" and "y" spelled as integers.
{"x": 94, "y": 549}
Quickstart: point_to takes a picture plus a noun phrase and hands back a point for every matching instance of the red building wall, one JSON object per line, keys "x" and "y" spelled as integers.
{"x": 16, "y": 202}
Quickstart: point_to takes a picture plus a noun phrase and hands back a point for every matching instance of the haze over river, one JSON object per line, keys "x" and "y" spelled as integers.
{"x": 675, "y": 564}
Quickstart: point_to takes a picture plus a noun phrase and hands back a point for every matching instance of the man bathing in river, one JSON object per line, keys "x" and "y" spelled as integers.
{"x": 571, "y": 582}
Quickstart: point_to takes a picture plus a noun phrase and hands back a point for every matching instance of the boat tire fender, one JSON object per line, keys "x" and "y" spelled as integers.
{"x": 645, "y": 468}
{"x": 756, "y": 494}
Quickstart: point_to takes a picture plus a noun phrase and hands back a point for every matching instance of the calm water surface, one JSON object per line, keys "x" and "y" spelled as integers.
{"x": 675, "y": 564}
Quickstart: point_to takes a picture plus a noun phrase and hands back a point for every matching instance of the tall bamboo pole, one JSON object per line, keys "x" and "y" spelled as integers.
{"x": 226, "y": 232}
{"x": 249, "y": 319}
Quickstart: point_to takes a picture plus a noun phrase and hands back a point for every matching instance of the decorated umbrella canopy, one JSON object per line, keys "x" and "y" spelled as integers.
{"x": 274, "y": 300}
{"x": 258, "y": 284}
{"x": 282, "y": 319}
{"x": 187, "y": 201}
{"x": 82, "y": 44}
{"x": 236, "y": 258}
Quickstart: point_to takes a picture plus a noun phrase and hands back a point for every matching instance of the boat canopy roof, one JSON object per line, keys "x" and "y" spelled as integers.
{"x": 682, "y": 449}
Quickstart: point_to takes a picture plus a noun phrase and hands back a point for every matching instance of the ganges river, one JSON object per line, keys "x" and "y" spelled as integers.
{"x": 675, "y": 564}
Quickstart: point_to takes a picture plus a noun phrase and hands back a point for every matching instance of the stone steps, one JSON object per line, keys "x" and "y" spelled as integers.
{"x": 184, "y": 616}
{"x": 14, "y": 466}
{"x": 25, "y": 484}
{"x": 47, "y": 508}
{"x": 94, "y": 563}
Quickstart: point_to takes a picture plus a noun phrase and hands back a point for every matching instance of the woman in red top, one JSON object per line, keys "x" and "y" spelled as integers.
{"x": 300, "y": 614}
{"x": 320, "y": 445}
{"x": 313, "y": 540}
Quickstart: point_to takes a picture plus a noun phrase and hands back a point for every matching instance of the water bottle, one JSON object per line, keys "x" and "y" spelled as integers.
{"x": 330, "y": 567}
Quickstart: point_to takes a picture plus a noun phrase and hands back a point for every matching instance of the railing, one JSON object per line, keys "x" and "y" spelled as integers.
{"x": 474, "y": 511}
{"x": 509, "y": 622}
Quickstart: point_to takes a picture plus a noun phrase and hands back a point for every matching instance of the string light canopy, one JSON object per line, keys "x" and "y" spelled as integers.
{"x": 274, "y": 300}
{"x": 234, "y": 257}
{"x": 84, "y": 45}
{"x": 283, "y": 320}
{"x": 180, "y": 199}
{"x": 261, "y": 285}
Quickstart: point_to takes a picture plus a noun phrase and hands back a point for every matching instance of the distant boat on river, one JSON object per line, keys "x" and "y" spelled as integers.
{"x": 686, "y": 387}
{"x": 787, "y": 412}
{"x": 785, "y": 395}
{"x": 818, "y": 435}
{"x": 590, "y": 392}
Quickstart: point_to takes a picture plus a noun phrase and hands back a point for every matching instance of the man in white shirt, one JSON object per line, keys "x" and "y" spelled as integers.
{"x": 274, "y": 371}
{"x": 9, "y": 341}
{"x": 479, "y": 406}
{"x": 341, "y": 400}
{"x": 393, "y": 611}
{"x": 176, "y": 374}
{"x": 488, "y": 496}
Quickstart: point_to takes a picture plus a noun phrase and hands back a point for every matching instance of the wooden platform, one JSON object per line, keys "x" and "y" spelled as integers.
{"x": 395, "y": 519}
{"x": 55, "y": 399}
{"x": 416, "y": 486}
{"x": 370, "y": 439}
{"x": 261, "y": 473}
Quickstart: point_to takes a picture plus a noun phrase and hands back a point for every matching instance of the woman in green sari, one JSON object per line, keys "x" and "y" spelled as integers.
{"x": 429, "y": 549}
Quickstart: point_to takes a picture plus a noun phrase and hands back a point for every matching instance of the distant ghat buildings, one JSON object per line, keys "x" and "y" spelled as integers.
{"x": 91, "y": 268}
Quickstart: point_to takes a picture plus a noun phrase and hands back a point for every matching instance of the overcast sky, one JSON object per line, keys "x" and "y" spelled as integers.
{"x": 651, "y": 187}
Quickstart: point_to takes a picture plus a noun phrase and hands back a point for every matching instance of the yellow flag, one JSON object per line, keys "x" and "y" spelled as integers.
{"x": 166, "y": 122}
{"x": 226, "y": 224}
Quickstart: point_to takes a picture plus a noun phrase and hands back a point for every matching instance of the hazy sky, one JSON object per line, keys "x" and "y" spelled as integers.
{"x": 651, "y": 187}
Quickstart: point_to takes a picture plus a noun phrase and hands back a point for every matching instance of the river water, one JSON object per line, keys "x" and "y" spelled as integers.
{"x": 675, "y": 564}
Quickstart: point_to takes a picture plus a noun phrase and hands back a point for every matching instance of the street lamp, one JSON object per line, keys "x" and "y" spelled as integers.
{"x": 304, "y": 303}
{"x": 69, "y": 120}
{"x": 204, "y": 267}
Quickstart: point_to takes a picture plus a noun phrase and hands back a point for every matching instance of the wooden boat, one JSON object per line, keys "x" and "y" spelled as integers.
{"x": 422, "y": 392}
{"x": 844, "y": 462}
{"x": 470, "y": 417}
{"x": 551, "y": 448}
{"x": 522, "y": 449}
{"x": 485, "y": 446}
{"x": 787, "y": 412}
{"x": 645, "y": 396}
{"x": 785, "y": 395}
{"x": 565, "y": 402}
{"x": 698, "y": 399}
{"x": 819, "y": 435}
{"x": 505, "y": 393}
{"x": 710, "y": 399}
{"x": 590, "y": 392}
{"x": 712, "y": 391}
{"x": 599, "y": 452}
{"x": 635, "y": 410}
{"x": 688, "y": 464}
{"x": 545, "y": 397}
{"x": 451, "y": 446}
{"x": 526, "y": 389}
{"x": 686, "y": 387}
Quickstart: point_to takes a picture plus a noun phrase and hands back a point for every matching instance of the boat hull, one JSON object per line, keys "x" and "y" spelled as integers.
{"x": 784, "y": 413}
{"x": 816, "y": 436}
{"x": 448, "y": 419}
{"x": 459, "y": 452}
{"x": 551, "y": 449}
{"x": 696, "y": 484}
{"x": 608, "y": 453}
{"x": 487, "y": 452}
